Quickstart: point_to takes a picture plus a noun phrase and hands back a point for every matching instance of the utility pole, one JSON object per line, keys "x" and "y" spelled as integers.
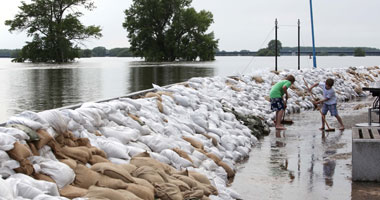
{"x": 275, "y": 51}
{"x": 299, "y": 49}
{"x": 312, "y": 32}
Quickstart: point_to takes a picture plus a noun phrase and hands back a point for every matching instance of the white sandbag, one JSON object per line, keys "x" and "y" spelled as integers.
{"x": 118, "y": 161}
{"x": 26, "y": 122}
{"x": 60, "y": 172}
{"x": 177, "y": 161}
{"x": 74, "y": 126}
{"x": 6, "y": 190}
{"x": 5, "y": 172}
{"x": 113, "y": 149}
{"x": 18, "y": 134}
{"x": 56, "y": 120}
{"x": 47, "y": 153}
{"x": 157, "y": 142}
{"x": 140, "y": 145}
{"x": 199, "y": 119}
{"x": 123, "y": 134}
{"x": 92, "y": 116}
{"x": 228, "y": 142}
{"x": 6, "y": 142}
{"x": 106, "y": 108}
{"x": 155, "y": 127}
{"x": 32, "y": 116}
{"x": 160, "y": 158}
{"x": 28, "y": 187}
{"x": 132, "y": 151}
{"x": 48, "y": 197}
{"x": 136, "y": 105}
{"x": 209, "y": 164}
{"x": 181, "y": 100}
{"x": 75, "y": 115}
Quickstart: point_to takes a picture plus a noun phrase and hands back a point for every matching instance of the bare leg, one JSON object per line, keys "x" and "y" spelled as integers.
{"x": 323, "y": 122}
{"x": 340, "y": 122}
{"x": 279, "y": 114}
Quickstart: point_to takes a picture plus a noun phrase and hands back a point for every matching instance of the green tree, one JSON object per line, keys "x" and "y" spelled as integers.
{"x": 169, "y": 30}
{"x": 271, "y": 49}
{"x": 85, "y": 53}
{"x": 99, "y": 52}
{"x": 54, "y": 26}
{"x": 359, "y": 52}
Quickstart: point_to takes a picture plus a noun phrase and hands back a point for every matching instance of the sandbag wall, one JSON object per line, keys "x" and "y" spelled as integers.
{"x": 176, "y": 143}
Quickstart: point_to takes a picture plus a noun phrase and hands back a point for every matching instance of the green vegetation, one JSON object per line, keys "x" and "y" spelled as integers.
{"x": 54, "y": 26}
{"x": 169, "y": 30}
{"x": 271, "y": 49}
{"x": 359, "y": 52}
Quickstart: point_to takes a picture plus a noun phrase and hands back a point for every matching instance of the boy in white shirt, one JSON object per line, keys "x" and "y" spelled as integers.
{"x": 329, "y": 102}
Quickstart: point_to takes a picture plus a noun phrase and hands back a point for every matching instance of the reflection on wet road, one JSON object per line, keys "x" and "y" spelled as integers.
{"x": 302, "y": 162}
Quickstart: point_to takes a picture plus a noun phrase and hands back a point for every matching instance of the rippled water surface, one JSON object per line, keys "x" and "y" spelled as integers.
{"x": 36, "y": 87}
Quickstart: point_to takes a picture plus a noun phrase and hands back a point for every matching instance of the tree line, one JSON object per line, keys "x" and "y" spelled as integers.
{"x": 165, "y": 30}
{"x": 83, "y": 53}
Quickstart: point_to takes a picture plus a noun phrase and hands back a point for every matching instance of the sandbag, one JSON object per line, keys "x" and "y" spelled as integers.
{"x": 85, "y": 177}
{"x": 213, "y": 157}
{"x": 55, "y": 119}
{"x": 110, "y": 194}
{"x": 7, "y": 142}
{"x": 20, "y": 132}
{"x": 19, "y": 152}
{"x": 97, "y": 159}
{"x": 183, "y": 154}
{"x": 26, "y": 122}
{"x": 141, "y": 191}
{"x": 129, "y": 167}
{"x": 72, "y": 192}
{"x": 28, "y": 187}
{"x": 108, "y": 182}
{"x": 180, "y": 184}
{"x": 82, "y": 154}
{"x": 26, "y": 167}
{"x": 168, "y": 191}
{"x": 33, "y": 149}
{"x": 149, "y": 174}
{"x": 199, "y": 177}
{"x": 69, "y": 162}
{"x": 6, "y": 190}
{"x": 193, "y": 194}
{"x": 146, "y": 161}
{"x": 97, "y": 151}
{"x": 60, "y": 172}
{"x": 113, "y": 171}
{"x": 143, "y": 182}
{"x": 45, "y": 138}
{"x": 230, "y": 172}
{"x": 193, "y": 142}
{"x": 43, "y": 177}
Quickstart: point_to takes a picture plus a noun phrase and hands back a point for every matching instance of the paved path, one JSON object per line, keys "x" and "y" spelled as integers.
{"x": 305, "y": 163}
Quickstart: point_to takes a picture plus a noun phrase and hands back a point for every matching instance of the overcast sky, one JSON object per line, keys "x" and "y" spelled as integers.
{"x": 240, "y": 24}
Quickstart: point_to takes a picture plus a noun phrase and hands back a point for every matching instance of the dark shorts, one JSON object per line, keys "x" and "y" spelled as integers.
{"x": 331, "y": 108}
{"x": 277, "y": 104}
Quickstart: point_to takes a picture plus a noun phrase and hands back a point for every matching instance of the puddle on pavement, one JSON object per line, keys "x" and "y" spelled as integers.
{"x": 302, "y": 162}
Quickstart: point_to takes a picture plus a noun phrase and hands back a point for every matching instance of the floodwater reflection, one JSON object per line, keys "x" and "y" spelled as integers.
{"x": 38, "y": 87}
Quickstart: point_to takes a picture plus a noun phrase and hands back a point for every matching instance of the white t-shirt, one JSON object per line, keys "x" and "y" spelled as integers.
{"x": 328, "y": 94}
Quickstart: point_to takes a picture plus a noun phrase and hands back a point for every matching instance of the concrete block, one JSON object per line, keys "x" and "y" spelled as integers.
{"x": 366, "y": 154}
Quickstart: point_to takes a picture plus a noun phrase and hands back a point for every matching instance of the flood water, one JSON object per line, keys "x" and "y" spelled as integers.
{"x": 37, "y": 87}
{"x": 303, "y": 162}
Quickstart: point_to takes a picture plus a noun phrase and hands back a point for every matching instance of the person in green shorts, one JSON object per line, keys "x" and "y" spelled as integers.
{"x": 276, "y": 99}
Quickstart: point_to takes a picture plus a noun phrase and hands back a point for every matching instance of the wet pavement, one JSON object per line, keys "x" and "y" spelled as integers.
{"x": 303, "y": 162}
